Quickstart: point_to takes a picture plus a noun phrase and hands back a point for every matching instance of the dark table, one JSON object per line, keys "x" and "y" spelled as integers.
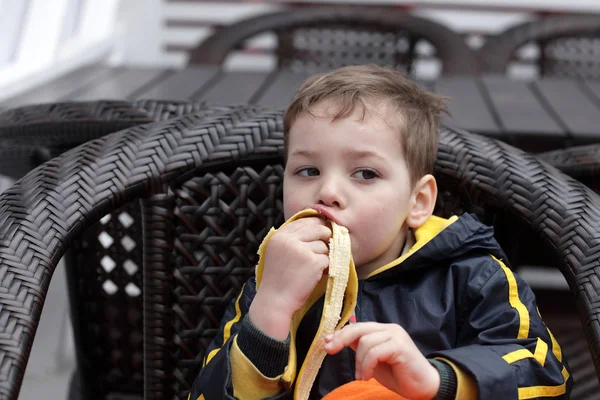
{"x": 536, "y": 116}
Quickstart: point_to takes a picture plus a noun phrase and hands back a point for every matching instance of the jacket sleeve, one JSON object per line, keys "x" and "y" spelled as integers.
{"x": 227, "y": 373}
{"x": 502, "y": 341}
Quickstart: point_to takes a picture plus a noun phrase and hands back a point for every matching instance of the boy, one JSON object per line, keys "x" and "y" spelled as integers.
{"x": 439, "y": 315}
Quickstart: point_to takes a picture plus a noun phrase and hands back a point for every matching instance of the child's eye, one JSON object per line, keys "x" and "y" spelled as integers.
{"x": 365, "y": 174}
{"x": 308, "y": 171}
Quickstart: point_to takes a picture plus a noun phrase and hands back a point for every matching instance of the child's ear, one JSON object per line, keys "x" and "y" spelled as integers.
{"x": 423, "y": 201}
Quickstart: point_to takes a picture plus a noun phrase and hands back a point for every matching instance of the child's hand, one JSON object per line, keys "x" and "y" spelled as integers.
{"x": 388, "y": 354}
{"x": 295, "y": 259}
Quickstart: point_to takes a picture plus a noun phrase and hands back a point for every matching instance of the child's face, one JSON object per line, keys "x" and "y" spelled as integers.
{"x": 353, "y": 172}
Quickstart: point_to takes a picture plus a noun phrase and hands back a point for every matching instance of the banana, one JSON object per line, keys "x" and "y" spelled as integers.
{"x": 340, "y": 256}
{"x": 339, "y": 288}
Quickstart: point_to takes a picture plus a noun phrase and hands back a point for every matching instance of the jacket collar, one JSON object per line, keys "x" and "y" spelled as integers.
{"x": 441, "y": 239}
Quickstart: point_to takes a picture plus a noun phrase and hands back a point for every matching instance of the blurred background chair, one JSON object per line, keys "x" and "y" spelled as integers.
{"x": 580, "y": 162}
{"x": 558, "y": 46}
{"x": 30, "y": 135}
{"x": 326, "y": 37}
{"x": 208, "y": 187}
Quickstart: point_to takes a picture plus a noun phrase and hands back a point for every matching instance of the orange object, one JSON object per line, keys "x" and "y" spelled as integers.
{"x": 363, "y": 390}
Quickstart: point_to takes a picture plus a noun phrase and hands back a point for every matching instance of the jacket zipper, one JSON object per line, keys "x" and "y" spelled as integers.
{"x": 358, "y": 296}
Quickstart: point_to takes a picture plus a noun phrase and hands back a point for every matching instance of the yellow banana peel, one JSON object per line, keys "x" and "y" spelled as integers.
{"x": 339, "y": 286}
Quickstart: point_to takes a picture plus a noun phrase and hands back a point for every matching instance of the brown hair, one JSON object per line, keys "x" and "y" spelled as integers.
{"x": 366, "y": 85}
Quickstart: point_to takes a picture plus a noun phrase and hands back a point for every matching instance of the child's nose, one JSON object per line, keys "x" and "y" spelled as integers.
{"x": 330, "y": 195}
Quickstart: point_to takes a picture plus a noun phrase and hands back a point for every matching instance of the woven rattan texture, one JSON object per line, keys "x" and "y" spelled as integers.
{"x": 575, "y": 56}
{"x": 106, "y": 303}
{"x": 48, "y": 209}
{"x": 221, "y": 220}
{"x": 30, "y": 135}
{"x": 580, "y": 162}
{"x": 563, "y": 46}
{"x": 310, "y": 39}
{"x": 23, "y": 124}
{"x": 334, "y": 46}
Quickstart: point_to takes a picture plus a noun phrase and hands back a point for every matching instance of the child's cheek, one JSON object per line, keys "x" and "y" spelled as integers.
{"x": 377, "y": 226}
{"x": 292, "y": 203}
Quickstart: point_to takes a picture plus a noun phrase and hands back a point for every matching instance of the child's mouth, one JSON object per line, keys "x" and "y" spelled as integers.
{"x": 324, "y": 212}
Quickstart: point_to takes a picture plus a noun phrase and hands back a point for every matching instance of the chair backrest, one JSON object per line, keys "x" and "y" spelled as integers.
{"x": 208, "y": 186}
{"x": 310, "y": 39}
{"x": 563, "y": 46}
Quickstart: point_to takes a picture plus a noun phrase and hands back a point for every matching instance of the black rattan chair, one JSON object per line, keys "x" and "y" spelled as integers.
{"x": 567, "y": 46}
{"x": 208, "y": 188}
{"x": 326, "y": 37}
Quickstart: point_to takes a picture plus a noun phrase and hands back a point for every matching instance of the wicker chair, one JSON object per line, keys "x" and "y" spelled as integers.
{"x": 569, "y": 46}
{"x": 208, "y": 188}
{"x": 326, "y": 37}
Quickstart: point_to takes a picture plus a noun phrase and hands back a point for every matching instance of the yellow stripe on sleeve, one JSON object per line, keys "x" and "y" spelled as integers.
{"x": 555, "y": 346}
{"x": 541, "y": 349}
{"x": 533, "y": 392}
{"x": 228, "y": 325}
{"x": 515, "y": 301}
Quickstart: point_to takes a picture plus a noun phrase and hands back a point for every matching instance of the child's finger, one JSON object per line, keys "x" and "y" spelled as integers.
{"x": 349, "y": 335}
{"x": 322, "y": 260}
{"x": 365, "y": 344}
{"x": 374, "y": 355}
{"x": 332, "y": 346}
{"x": 309, "y": 229}
{"x": 318, "y": 247}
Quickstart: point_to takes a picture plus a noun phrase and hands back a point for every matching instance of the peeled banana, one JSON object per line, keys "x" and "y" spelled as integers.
{"x": 339, "y": 287}
{"x": 340, "y": 256}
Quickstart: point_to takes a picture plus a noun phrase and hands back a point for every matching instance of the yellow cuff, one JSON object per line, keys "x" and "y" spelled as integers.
{"x": 248, "y": 382}
{"x": 466, "y": 387}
